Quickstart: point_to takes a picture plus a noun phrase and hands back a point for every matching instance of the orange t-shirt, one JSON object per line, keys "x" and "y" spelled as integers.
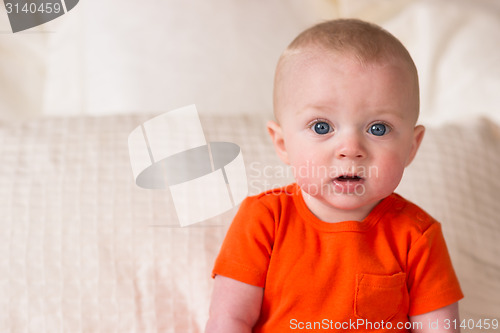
{"x": 320, "y": 276}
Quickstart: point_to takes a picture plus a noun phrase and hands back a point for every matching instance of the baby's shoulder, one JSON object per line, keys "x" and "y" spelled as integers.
{"x": 411, "y": 215}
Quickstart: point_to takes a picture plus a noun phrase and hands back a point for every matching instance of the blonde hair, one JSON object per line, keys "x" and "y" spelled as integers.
{"x": 366, "y": 42}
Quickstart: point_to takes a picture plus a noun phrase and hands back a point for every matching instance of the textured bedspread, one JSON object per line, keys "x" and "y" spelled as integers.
{"x": 83, "y": 249}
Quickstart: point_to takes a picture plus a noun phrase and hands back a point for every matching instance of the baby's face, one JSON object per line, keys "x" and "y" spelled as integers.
{"x": 348, "y": 130}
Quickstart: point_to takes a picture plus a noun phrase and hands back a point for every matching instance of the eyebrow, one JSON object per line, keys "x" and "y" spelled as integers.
{"x": 312, "y": 107}
{"x": 326, "y": 110}
{"x": 400, "y": 115}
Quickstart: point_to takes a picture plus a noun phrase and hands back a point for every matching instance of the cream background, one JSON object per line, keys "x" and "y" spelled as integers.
{"x": 116, "y": 57}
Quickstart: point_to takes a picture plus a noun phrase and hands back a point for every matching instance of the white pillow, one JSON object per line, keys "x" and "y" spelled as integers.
{"x": 126, "y": 56}
{"x": 22, "y": 71}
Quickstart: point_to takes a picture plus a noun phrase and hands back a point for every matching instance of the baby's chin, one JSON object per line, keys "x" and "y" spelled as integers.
{"x": 350, "y": 195}
{"x": 350, "y": 203}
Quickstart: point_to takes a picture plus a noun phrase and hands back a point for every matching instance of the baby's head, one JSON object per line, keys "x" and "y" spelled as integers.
{"x": 346, "y": 100}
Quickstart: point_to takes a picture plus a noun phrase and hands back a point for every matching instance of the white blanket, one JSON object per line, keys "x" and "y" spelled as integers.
{"x": 83, "y": 249}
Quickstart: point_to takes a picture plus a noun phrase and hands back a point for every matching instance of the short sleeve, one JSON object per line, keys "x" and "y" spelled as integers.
{"x": 246, "y": 250}
{"x": 432, "y": 281}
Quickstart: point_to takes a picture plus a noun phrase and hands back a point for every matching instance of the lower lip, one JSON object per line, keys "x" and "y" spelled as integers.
{"x": 348, "y": 186}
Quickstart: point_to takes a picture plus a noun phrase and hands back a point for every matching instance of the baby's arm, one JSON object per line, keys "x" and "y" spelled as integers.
{"x": 235, "y": 306}
{"x": 445, "y": 317}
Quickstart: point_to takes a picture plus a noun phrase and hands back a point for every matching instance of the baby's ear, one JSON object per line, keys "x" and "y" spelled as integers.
{"x": 276, "y": 133}
{"x": 418, "y": 135}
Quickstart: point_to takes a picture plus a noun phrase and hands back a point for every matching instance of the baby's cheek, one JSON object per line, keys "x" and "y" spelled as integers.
{"x": 307, "y": 167}
{"x": 310, "y": 176}
{"x": 390, "y": 171}
{"x": 304, "y": 174}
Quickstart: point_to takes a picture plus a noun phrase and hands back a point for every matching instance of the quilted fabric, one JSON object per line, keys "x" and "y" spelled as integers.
{"x": 455, "y": 177}
{"x": 83, "y": 249}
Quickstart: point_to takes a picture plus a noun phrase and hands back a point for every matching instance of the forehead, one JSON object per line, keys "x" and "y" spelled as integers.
{"x": 311, "y": 76}
{"x": 299, "y": 61}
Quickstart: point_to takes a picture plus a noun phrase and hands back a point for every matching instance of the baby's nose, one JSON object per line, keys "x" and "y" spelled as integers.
{"x": 350, "y": 147}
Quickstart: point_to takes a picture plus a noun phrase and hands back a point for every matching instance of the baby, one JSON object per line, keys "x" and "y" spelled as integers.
{"x": 338, "y": 250}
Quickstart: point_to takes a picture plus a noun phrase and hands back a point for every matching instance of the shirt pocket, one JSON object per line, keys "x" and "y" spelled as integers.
{"x": 379, "y": 297}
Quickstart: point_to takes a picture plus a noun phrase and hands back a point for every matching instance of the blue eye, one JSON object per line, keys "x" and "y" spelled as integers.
{"x": 378, "y": 129}
{"x": 321, "y": 128}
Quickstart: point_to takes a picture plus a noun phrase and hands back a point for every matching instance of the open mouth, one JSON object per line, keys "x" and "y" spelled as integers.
{"x": 349, "y": 184}
{"x": 346, "y": 178}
